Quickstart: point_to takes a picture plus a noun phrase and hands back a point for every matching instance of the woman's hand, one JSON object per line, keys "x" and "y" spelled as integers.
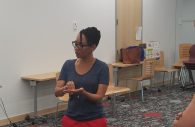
{"x": 69, "y": 87}
{"x": 78, "y": 91}
{"x": 179, "y": 115}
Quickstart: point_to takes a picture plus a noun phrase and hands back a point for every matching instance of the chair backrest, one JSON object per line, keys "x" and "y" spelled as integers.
{"x": 148, "y": 67}
{"x": 184, "y": 49}
{"x": 192, "y": 52}
{"x": 160, "y": 63}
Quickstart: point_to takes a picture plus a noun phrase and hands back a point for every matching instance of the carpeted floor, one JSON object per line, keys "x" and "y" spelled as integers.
{"x": 158, "y": 110}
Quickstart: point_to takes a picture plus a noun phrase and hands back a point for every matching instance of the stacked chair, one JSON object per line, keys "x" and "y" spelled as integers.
{"x": 190, "y": 63}
{"x": 147, "y": 74}
{"x": 183, "y": 56}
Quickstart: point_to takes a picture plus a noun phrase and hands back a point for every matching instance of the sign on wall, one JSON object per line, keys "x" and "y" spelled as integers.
{"x": 152, "y": 49}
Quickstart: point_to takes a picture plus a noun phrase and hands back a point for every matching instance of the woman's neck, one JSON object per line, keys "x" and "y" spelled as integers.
{"x": 86, "y": 60}
{"x": 83, "y": 66}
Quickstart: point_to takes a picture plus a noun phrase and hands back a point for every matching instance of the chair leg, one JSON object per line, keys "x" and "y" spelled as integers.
{"x": 128, "y": 96}
{"x": 56, "y": 115}
{"x": 186, "y": 76}
{"x": 152, "y": 81}
{"x": 114, "y": 104}
{"x": 142, "y": 91}
{"x": 183, "y": 76}
{"x": 191, "y": 76}
{"x": 57, "y": 111}
{"x": 163, "y": 78}
{"x": 171, "y": 77}
{"x": 173, "y": 81}
{"x": 180, "y": 73}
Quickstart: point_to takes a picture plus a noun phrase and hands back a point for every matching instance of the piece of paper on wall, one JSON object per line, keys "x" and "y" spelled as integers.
{"x": 152, "y": 49}
{"x": 139, "y": 33}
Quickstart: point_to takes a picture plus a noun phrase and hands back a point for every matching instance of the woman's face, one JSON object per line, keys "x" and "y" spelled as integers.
{"x": 82, "y": 49}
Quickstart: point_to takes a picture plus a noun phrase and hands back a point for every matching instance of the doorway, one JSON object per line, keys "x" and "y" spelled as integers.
{"x": 128, "y": 21}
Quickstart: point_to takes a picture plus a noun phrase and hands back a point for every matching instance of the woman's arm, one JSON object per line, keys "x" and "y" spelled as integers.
{"x": 99, "y": 95}
{"x": 60, "y": 87}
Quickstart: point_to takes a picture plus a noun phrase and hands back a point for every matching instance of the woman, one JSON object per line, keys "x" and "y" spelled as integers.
{"x": 85, "y": 79}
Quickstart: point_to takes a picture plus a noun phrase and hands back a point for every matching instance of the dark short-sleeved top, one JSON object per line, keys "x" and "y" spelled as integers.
{"x": 79, "y": 106}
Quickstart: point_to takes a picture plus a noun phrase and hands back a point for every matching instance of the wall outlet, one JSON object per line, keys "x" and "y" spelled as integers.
{"x": 75, "y": 26}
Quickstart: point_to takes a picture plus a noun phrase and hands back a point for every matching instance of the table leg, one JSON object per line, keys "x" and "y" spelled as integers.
{"x": 115, "y": 76}
{"x": 114, "y": 105}
{"x": 34, "y": 85}
{"x": 34, "y": 118}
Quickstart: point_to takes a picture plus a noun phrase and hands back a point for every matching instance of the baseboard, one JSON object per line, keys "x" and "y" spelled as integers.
{"x": 23, "y": 116}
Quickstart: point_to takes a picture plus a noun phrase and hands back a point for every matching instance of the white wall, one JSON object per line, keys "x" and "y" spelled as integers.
{"x": 35, "y": 37}
{"x": 185, "y": 26}
{"x": 159, "y": 25}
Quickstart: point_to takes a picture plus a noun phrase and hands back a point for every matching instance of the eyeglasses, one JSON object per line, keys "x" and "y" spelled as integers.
{"x": 76, "y": 45}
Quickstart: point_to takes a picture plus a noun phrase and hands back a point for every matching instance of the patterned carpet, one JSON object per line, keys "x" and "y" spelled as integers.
{"x": 158, "y": 109}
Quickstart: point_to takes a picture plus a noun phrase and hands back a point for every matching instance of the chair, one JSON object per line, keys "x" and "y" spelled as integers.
{"x": 147, "y": 74}
{"x": 190, "y": 64}
{"x": 184, "y": 51}
{"x": 113, "y": 90}
{"x": 160, "y": 67}
{"x": 183, "y": 55}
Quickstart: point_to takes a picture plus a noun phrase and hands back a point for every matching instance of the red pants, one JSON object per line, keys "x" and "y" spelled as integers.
{"x": 68, "y": 122}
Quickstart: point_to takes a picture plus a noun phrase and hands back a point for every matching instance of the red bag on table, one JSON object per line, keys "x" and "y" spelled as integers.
{"x": 130, "y": 55}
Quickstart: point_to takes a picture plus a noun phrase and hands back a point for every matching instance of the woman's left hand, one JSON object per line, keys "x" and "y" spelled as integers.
{"x": 78, "y": 91}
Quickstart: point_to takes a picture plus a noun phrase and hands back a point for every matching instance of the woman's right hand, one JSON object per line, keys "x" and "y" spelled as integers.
{"x": 69, "y": 87}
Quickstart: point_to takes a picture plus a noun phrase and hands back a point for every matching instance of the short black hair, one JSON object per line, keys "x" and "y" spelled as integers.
{"x": 92, "y": 35}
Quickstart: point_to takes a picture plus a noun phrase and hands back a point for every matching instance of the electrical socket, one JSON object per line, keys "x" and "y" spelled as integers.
{"x": 75, "y": 25}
